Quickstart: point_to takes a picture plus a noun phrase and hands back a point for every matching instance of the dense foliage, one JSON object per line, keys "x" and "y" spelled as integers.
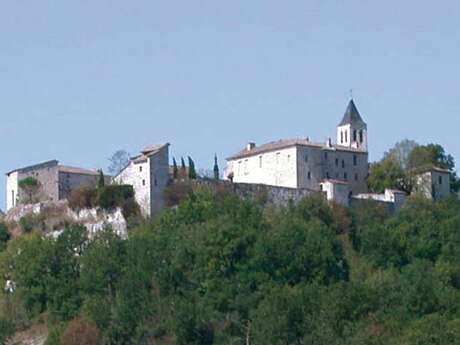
{"x": 107, "y": 197}
{"x": 401, "y": 164}
{"x": 218, "y": 270}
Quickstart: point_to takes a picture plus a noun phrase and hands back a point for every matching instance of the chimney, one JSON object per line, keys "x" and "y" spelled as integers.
{"x": 329, "y": 142}
{"x": 308, "y": 139}
{"x": 250, "y": 146}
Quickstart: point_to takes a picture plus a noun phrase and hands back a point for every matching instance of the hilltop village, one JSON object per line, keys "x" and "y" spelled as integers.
{"x": 296, "y": 242}
{"x": 285, "y": 169}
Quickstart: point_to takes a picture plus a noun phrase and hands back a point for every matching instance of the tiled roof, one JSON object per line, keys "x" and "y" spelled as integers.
{"x": 286, "y": 143}
{"x": 75, "y": 170}
{"x": 139, "y": 159}
{"x": 152, "y": 149}
{"x": 42, "y": 165}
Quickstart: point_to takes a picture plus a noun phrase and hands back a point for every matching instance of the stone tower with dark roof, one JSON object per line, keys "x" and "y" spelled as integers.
{"x": 352, "y": 130}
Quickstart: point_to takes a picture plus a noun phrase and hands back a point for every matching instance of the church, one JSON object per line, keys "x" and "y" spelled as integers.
{"x": 303, "y": 164}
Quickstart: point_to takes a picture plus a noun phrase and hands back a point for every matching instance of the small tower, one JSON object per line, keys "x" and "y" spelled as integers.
{"x": 352, "y": 130}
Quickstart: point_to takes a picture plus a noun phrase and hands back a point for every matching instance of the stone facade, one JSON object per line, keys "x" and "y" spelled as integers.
{"x": 337, "y": 191}
{"x": 300, "y": 163}
{"x": 56, "y": 181}
{"x": 148, "y": 173}
{"x": 433, "y": 183}
{"x": 274, "y": 195}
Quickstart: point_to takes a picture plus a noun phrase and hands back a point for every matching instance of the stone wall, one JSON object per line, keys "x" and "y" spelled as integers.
{"x": 279, "y": 196}
{"x": 68, "y": 182}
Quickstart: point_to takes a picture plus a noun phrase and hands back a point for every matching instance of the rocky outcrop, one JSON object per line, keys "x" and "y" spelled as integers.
{"x": 55, "y": 215}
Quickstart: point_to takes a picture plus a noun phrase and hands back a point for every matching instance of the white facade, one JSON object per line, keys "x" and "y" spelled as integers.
{"x": 336, "y": 191}
{"x": 302, "y": 164}
{"x": 352, "y": 136}
{"x": 433, "y": 184}
{"x": 148, "y": 173}
{"x": 12, "y": 190}
{"x": 276, "y": 168}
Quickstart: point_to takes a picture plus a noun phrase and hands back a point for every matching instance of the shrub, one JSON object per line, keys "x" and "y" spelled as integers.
{"x": 6, "y": 331}
{"x": 80, "y": 332}
{"x": 30, "y": 222}
{"x": 84, "y": 197}
{"x": 4, "y": 236}
{"x": 113, "y": 196}
{"x": 31, "y": 187}
{"x": 175, "y": 193}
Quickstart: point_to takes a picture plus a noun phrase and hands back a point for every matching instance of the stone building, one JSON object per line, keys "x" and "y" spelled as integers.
{"x": 56, "y": 181}
{"x": 300, "y": 163}
{"x": 433, "y": 183}
{"x": 148, "y": 173}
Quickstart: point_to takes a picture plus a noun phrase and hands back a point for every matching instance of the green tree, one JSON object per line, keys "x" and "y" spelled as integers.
{"x": 101, "y": 268}
{"x": 433, "y": 156}
{"x": 175, "y": 169}
{"x": 183, "y": 169}
{"x": 387, "y": 174}
{"x": 216, "y": 168}
{"x": 6, "y": 331}
{"x": 27, "y": 261}
{"x": 63, "y": 290}
{"x": 101, "y": 180}
{"x": 4, "y": 236}
{"x": 191, "y": 169}
{"x": 401, "y": 152}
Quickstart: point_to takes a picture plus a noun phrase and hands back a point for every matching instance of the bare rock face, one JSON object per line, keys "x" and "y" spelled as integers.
{"x": 53, "y": 216}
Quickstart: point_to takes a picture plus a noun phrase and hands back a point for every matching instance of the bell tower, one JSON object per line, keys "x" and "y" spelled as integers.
{"x": 352, "y": 130}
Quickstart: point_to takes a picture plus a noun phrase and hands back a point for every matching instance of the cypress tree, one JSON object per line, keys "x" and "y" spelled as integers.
{"x": 100, "y": 180}
{"x": 175, "y": 169}
{"x": 183, "y": 169}
{"x": 191, "y": 169}
{"x": 216, "y": 168}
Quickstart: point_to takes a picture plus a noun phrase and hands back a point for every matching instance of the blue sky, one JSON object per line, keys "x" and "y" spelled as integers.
{"x": 80, "y": 79}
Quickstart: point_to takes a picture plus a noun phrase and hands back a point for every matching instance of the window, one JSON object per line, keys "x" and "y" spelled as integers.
{"x": 239, "y": 168}
{"x": 341, "y": 137}
{"x": 346, "y": 136}
{"x": 327, "y": 174}
{"x": 143, "y": 182}
{"x": 288, "y": 158}
{"x": 140, "y": 168}
{"x": 356, "y": 177}
{"x": 260, "y": 162}
{"x": 155, "y": 182}
{"x": 355, "y": 160}
{"x": 277, "y": 158}
{"x": 12, "y": 197}
{"x": 440, "y": 179}
{"x": 336, "y": 162}
{"x": 309, "y": 175}
{"x": 355, "y": 135}
{"x": 361, "y": 136}
{"x": 345, "y": 176}
{"x": 343, "y": 164}
{"x": 325, "y": 155}
{"x": 246, "y": 167}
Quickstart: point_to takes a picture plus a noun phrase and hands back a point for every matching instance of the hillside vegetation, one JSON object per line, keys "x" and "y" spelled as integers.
{"x": 219, "y": 270}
